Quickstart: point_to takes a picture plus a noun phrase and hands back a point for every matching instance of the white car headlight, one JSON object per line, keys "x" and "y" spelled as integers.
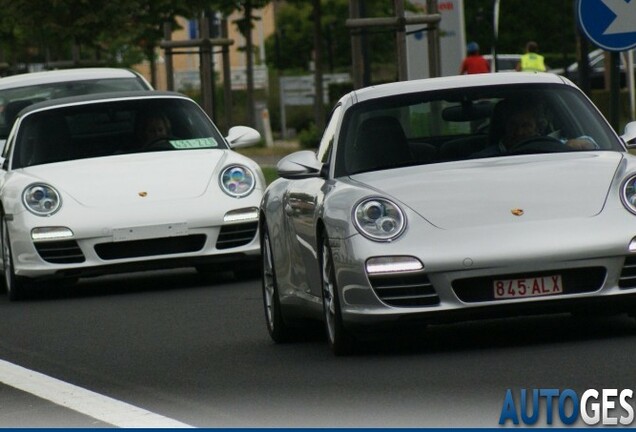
{"x": 41, "y": 199}
{"x": 237, "y": 181}
{"x": 379, "y": 219}
{"x": 629, "y": 194}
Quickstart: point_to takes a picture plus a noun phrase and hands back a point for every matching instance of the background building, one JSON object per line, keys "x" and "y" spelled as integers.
{"x": 186, "y": 61}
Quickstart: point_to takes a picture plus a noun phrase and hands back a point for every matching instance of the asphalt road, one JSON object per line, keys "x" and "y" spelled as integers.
{"x": 197, "y": 352}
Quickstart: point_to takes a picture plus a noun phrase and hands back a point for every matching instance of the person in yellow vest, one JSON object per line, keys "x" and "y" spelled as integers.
{"x": 531, "y": 61}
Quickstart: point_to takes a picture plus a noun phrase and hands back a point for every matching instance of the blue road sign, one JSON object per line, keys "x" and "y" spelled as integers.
{"x": 609, "y": 24}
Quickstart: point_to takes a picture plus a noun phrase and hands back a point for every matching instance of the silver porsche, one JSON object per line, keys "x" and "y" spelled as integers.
{"x": 449, "y": 199}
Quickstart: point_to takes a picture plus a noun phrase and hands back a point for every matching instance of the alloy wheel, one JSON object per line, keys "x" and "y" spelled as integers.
{"x": 268, "y": 282}
{"x": 328, "y": 294}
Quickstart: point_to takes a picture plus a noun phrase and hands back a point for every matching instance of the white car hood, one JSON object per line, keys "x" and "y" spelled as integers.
{"x": 486, "y": 191}
{"x": 119, "y": 180}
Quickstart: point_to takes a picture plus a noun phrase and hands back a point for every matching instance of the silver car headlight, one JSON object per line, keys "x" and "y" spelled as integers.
{"x": 41, "y": 199}
{"x": 237, "y": 181}
{"x": 629, "y": 194}
{"x": 379, "y": 219}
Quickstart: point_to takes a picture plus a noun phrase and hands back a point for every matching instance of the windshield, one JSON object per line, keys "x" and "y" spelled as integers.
{"x": 13, "y": 100}
{"x": 113, "y": 128}
{"x": 461, "y": 124}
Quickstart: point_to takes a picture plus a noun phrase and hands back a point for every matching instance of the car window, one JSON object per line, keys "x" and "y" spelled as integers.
{"x": 112, "y": 128}
{"x": 13, "y": 100}
{"x": 462, "y": 124}
{"x": 326, "y": 142}
{"x": 598, "y": 62}
{"x": 505, "y": 62}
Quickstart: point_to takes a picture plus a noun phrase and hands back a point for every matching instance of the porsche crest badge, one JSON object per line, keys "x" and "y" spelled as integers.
{"x": 142, "y": 194}
{"x": 517, "y": 212}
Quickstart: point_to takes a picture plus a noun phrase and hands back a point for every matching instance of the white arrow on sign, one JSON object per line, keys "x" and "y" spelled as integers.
{"x": 625, "y": 16}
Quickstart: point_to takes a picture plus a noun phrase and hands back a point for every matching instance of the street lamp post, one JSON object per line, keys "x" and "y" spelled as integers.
{"x": 495, "y": 34}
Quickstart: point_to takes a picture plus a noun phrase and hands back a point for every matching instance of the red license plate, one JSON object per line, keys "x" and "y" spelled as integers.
{"x": 528, "y": 287}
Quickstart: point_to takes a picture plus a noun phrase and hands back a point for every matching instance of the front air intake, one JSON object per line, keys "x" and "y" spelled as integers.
{"x": 60, "y": 252}
{"x": 627, "y": 278}
{"x": 404, "y": 289}
{"x": 236, "y": 235}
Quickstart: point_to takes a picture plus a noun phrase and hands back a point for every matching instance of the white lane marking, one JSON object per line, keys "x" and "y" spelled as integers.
{"x": 95, "y": 405}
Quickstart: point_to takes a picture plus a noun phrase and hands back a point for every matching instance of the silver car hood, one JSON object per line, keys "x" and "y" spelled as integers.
{"x": 488, "y": 191}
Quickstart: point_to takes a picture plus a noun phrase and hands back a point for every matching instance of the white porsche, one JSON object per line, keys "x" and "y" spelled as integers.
{"x": 124, "y": 181}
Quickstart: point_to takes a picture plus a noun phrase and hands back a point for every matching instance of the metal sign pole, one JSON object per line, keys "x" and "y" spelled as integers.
{"x": 495, "y": 34}
{"x": 629, "y": 71}
{"x": 615, "y": 90}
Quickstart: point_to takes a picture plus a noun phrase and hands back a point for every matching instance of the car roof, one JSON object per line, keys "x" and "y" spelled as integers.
{"x": 103, "y": 97}
{"x": 457, "y": 82}
{"x": 63, "y": 75}
{"x": 591, "y": 56}
{"x": 503, "y": 56}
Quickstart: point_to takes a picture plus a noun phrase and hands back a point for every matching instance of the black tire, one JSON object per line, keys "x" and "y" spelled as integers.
{"x": 278, "y": 330}
{"x": 14, "y": 285}
{"x": 341, "y": 342}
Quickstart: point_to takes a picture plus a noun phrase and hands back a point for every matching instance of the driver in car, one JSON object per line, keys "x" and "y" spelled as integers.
{"x": 523, "y": 126}
{"x": 153, "y": 128}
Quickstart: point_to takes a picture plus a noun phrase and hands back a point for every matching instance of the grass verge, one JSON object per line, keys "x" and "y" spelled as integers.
{"x": 270, "y": 174}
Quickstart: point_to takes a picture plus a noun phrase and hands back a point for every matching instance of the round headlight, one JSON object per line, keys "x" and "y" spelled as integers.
{"x": 41, "y": 199}
{"x": 237, "y": 181}
{"x": 379, "y": 219}
{"x": 629, "y": 194}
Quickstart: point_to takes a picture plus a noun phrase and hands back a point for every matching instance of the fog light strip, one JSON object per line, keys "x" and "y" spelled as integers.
{"x": 241, "y": 216}
{"x": 385, "y": 266}
{"x": 51, "y": 233}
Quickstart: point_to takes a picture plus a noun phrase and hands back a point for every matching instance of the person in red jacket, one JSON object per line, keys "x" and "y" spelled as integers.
{"x": 474, "y": 62}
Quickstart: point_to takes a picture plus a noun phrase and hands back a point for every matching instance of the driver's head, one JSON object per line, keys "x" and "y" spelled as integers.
{"x": 519, "y": 127}
{"x": 153, "y": 126}
{"x": 523, "y": 121}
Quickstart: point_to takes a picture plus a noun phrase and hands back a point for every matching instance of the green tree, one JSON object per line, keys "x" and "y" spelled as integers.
{"x": 290, "y": 48}
{"x": 245, "y": 26}
{"x": 116, "y": 31}
{"x": 314, "y": 31}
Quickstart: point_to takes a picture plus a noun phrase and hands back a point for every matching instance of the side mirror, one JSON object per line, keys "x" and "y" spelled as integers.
{"x": 299, "y": 165}
{"x": 242, "y": 136}
{"x": 629, "y": 134}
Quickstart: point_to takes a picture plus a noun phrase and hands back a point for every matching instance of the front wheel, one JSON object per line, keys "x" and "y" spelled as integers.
{"x": 278, "y": 330}
{"x": 13, "y": 284}
{"x": 340, "y": 340}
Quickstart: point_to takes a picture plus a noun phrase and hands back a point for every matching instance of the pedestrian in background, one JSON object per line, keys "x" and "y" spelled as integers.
{"x": 473, "y": 63}
{"x": 531, "y": 61}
